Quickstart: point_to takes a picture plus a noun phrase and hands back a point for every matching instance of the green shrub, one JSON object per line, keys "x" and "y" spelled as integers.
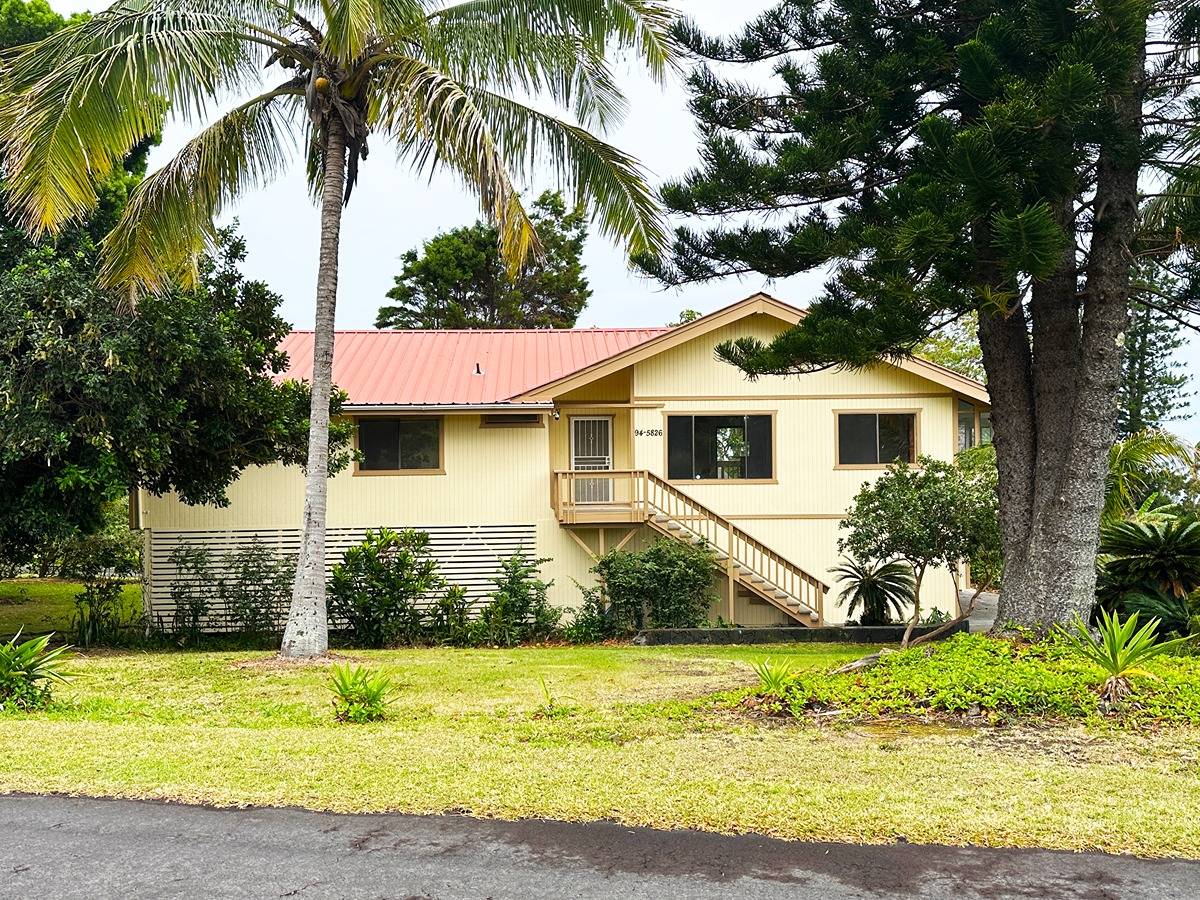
{"x": 114, "y": 552}
{"x": 667, "y": 585}
{"x": 378, "y": 587}
{"x": 518, "y": 609}
{"x": 28, "y": 670}
{"x": 973, "y": 674}
{"x": 450, "y": 621}
{"x": 256, "y": 588}
{"x": 359, "y": 695}
{"x": 1147, "y": 557}
{"x": 593, "y": 621}
{"x": 193, "y": 587}
{"x": 101, "y": 616}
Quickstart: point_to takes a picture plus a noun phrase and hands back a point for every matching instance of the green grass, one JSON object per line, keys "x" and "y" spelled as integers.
{"x": 624, "y": 738}
{"x": 38, "y": 605}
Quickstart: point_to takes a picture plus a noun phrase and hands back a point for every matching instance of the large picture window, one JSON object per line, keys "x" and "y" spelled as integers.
{"x": 719, "y": 448}
{"x": 400, "y": 445}
{"x": 876, "y": 439}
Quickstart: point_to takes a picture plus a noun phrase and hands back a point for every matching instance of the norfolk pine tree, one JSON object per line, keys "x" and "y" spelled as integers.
{"x": 950, "y": 157}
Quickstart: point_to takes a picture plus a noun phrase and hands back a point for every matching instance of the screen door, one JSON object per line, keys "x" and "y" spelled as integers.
{"x": 591, "y": 450}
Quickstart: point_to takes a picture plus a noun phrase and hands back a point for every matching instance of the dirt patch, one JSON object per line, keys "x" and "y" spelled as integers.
{"x": 277, "y": 663}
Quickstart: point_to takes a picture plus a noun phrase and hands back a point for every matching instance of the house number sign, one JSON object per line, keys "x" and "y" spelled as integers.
{"x": 647, "y": 432}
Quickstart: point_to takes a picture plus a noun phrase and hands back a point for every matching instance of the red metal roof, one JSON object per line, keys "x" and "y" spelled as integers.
{"x": 434, "y": 368}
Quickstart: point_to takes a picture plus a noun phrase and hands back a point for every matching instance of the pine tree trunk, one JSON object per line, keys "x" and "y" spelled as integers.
{"x": 1055, "y": 406}
{"x": 307, "y": 632}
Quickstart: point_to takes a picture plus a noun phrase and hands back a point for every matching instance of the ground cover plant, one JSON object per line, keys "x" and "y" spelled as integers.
{"x": 472, "y": 730}
{"x": 997, "y": 681}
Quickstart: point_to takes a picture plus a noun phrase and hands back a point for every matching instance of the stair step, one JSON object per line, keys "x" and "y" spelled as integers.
{"x": 674, "y": 526}
{"x": 661, "y": 518}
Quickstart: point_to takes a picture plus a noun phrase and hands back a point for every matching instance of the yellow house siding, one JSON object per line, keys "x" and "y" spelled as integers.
{"x": 501, "y": 476}
{"x": 798, "y": 514}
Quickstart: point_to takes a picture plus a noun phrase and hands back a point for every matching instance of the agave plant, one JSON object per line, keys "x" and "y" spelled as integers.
{"x": 1152, "y": 556}
{"x": 773, "y": 678}
{"x": 879, "y": 589}
{"x": 360, "y": 695}
{"x": 29, "y": 668}
{"x": 1120, "y": 650}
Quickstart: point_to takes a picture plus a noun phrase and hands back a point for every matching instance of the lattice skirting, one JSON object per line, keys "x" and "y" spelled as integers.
{"x": 467, "y": 555}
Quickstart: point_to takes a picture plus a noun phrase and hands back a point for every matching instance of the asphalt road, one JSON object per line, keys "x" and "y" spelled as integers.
{"x": 64, "y": 847}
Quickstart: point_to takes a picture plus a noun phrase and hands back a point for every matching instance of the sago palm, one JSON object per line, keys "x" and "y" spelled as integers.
{"x": 878, "y": 588}
{"x": 435, "y": 79}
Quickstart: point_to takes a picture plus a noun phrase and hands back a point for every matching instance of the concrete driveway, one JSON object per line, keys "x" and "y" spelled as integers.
{"x": 68, "y": 847}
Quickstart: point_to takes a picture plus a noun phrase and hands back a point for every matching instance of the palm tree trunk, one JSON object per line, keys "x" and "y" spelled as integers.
{"x": 307, "y": 632}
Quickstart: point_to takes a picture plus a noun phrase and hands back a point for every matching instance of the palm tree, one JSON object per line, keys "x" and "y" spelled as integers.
{"x": 435, "y": 78}
{"x": 879, "y": 589}
{"x": 1134, "y": 466}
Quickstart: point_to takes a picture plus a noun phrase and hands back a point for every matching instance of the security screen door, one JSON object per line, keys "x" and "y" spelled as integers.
{"x": 591, "y": 450}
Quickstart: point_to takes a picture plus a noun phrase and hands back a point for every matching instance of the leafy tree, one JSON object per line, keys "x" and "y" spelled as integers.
{"x": 923, "y": 515}
{"x": 1152, "y": 383}
{"x": 955, "y": 157}
{"x": 956, "y": 346}
{"x": 437, "y": 79}
{"x": 178, "y": 394}
{"x": 26, "y": 21}
{"x": 459, "y": 279}
{"x": 685, "y": 316}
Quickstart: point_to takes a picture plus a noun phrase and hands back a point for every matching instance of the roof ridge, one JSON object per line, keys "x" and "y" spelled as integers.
{"x": 588, "y": 330}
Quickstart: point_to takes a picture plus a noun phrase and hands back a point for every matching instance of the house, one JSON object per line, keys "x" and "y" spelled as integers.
{"x": 565, "y": 444}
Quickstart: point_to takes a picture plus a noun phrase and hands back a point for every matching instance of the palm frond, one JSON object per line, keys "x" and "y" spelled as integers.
{"x": 76, "y": 103}
{"x": 169, "y": 218}
{"x": 1133, "y": 464}
{"x": 642, "y": 27}
{"x": 437, "y": 123}
{"x": 608, "y": 181}
{"x": 567, "y": 69}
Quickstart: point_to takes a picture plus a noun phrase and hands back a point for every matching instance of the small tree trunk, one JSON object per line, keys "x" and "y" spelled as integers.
{"x": 916, "y": 616}
{"x": 307, "y": 632}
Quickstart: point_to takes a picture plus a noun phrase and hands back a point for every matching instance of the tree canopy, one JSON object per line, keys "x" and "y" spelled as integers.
{"x": 460, "y": 280}
{"x": 178, "y": 394}
{"x": 948, "y": 159}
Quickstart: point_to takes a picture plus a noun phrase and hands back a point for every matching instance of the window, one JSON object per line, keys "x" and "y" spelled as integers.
{"x": 511, "y": 420}
{"x": 719, "y": 448}
{"x": 400, "y": 445}
{"x": 966, "y": 425}
{"x": 974, "y": 426}
{"x": 873, "y": 439}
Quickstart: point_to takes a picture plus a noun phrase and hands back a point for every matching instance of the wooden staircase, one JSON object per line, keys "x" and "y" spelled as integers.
{"x": 639, "y": 496}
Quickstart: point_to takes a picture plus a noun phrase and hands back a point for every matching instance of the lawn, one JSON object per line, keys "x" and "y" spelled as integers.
{"x": 638, "y": 735}
{"x": 38, "y": 605}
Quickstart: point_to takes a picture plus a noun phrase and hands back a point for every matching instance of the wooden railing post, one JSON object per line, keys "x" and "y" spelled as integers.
{"x": 729, "y": 573}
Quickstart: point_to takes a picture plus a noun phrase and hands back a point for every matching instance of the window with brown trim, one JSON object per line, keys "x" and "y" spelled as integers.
{"x": 873, "y": 439}
{"x": 399, "y": 445}
{"x": 719, "y": 448}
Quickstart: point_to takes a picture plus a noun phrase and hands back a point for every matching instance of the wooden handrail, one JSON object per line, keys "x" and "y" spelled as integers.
{"x": 650, "y": 496}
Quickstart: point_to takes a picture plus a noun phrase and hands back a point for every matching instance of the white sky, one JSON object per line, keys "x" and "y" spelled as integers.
{"x": 393, "y": 210}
